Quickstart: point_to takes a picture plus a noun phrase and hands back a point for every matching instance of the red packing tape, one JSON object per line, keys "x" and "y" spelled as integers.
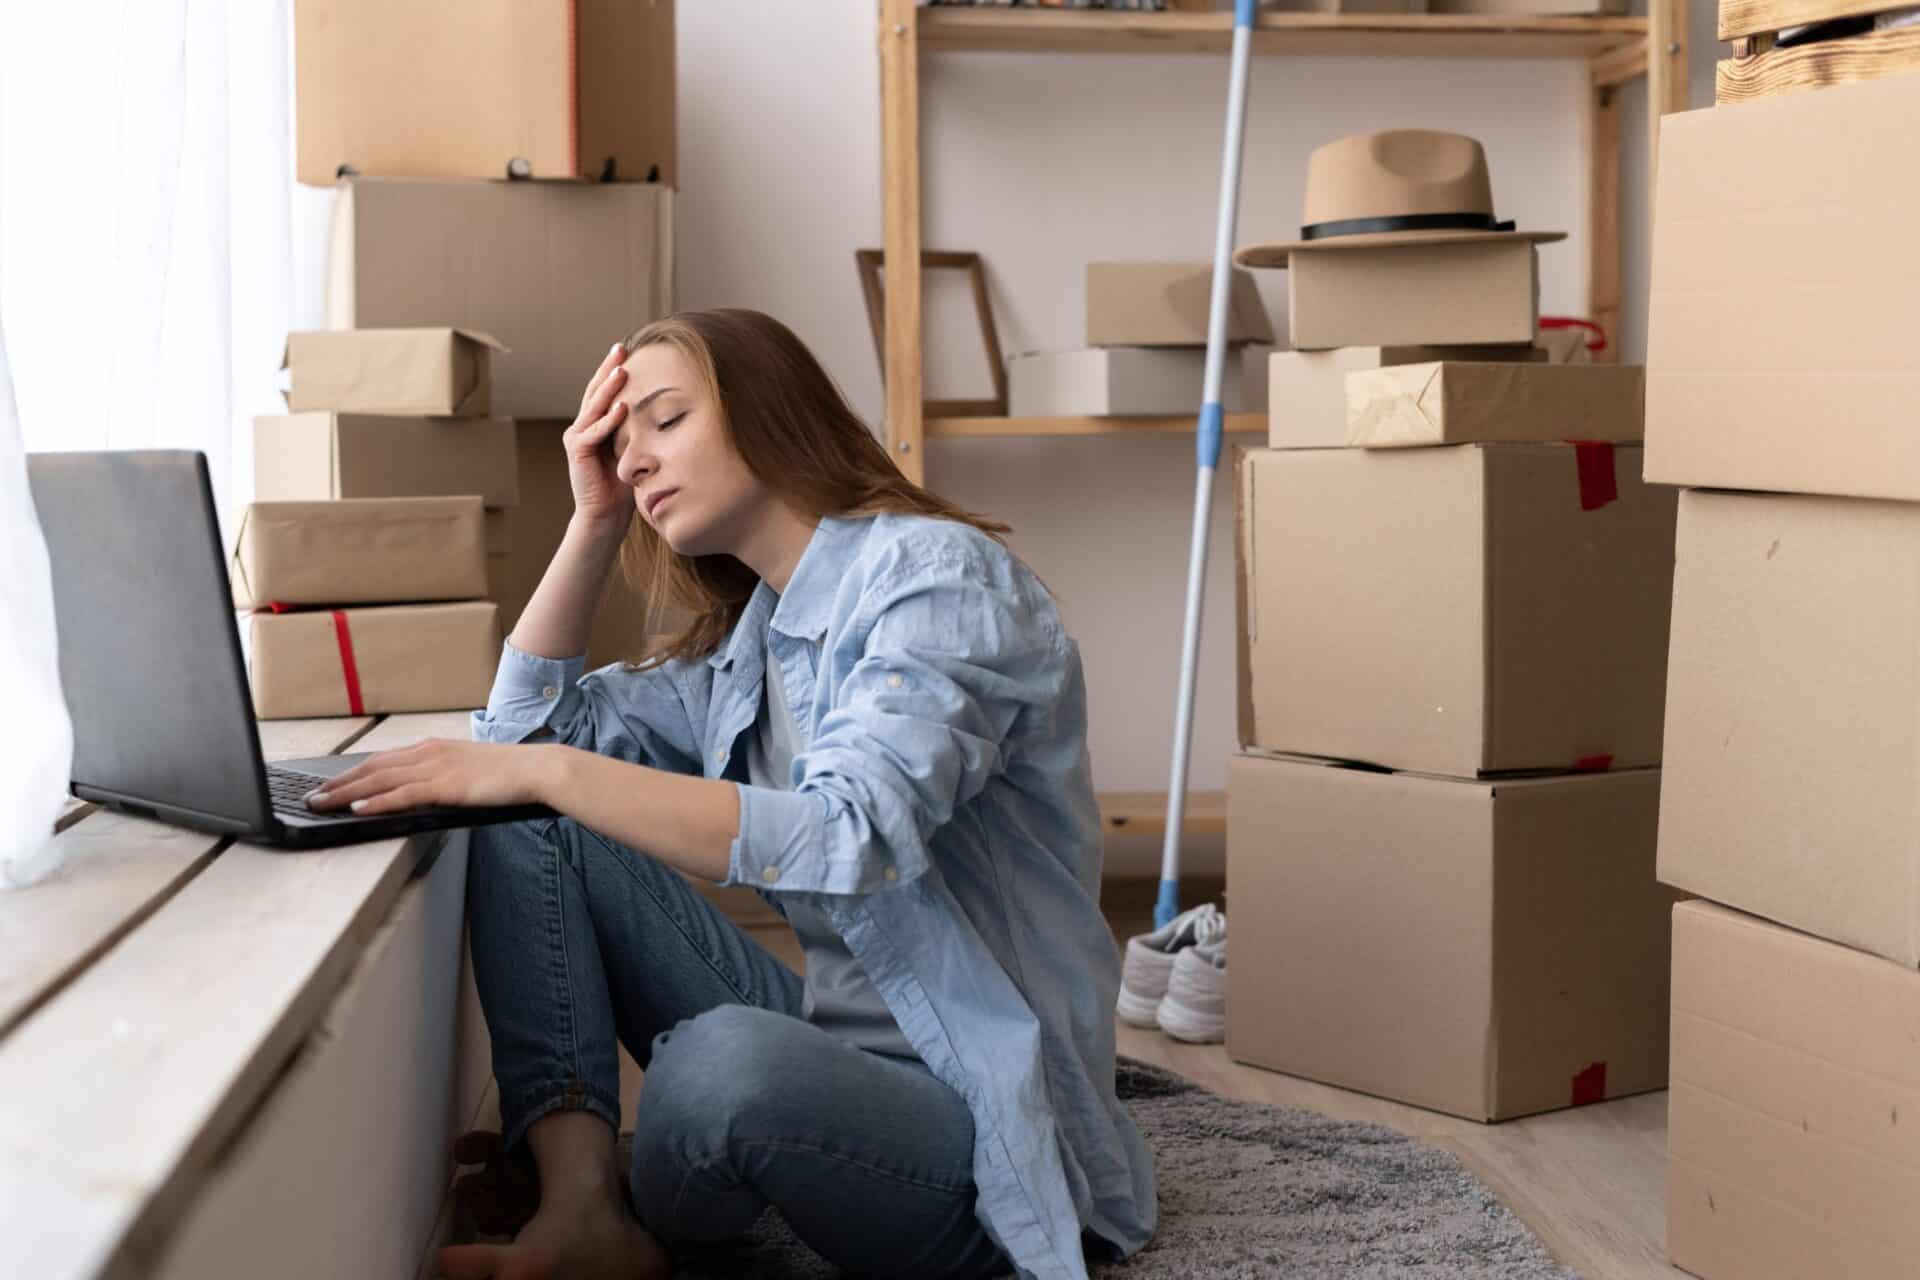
{"x": 1594, "y": 460}
{"x": 1590, "y": 1085}
{"x": 348, "y": 668}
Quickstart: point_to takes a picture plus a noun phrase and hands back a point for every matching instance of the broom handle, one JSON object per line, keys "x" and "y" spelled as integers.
{"x": 1207, "y": 449}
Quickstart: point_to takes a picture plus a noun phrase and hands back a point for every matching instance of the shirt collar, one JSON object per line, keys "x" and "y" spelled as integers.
{"x": 802, "y": 610}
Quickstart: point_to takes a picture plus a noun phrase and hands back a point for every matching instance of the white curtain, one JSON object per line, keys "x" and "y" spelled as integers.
{"x": 146, "y": 278}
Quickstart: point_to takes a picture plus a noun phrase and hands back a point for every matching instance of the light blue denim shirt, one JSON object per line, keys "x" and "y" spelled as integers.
{"x": 943, "y": 817}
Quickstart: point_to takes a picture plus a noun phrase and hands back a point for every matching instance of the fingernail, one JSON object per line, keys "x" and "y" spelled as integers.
{"x": 615, "y": 349}
{"x": 357, "y": 805}
{"x": 316, "y": 797}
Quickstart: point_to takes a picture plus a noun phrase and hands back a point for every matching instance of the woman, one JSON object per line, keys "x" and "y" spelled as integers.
{"x": 874, "y": 718}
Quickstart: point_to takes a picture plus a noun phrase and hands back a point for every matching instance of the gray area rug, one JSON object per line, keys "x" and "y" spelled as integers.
{"x": 1250, "y": 1189}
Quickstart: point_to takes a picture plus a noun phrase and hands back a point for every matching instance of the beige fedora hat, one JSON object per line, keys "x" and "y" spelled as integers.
{"x": 1401, "y": 186}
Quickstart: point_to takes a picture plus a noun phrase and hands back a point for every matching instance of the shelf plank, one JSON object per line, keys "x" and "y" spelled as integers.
{"x": 1087, "y": 426}
{"x": 1144, "y": 813}
{"x": 1392, "y": 34}
{"x": 1867, "y": 56}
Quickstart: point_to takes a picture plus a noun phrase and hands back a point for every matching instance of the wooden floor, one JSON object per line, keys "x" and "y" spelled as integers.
{"x": 1591, "y": 1182}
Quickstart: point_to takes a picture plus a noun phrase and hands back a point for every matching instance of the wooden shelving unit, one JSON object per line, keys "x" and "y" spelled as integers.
{"x": 1616, "y": 50}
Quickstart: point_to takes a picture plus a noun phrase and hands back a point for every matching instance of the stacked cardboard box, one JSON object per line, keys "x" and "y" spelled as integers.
{"x": 364, "y": 555}
{"x": 1453, "y": 600}
{"x": 429, "y": 231}
{"x": 1146, "y": 351}
{"x": 1785, "y": 399}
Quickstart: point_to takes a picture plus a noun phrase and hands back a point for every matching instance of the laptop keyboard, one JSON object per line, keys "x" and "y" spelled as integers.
{"x": 289, "y": 788}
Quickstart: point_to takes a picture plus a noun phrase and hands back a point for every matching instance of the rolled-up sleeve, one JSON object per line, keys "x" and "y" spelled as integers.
{"x": 920, "y": 724}
{"x": 639, "y": 716}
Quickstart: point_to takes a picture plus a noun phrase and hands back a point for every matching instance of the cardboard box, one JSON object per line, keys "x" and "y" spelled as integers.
{"x": 1455, "y": 403}
{"x": 1565, "y": 345}
{"x": 1797, "y": 375}
{"x": 1469, "y": 292}
{"x": 1253, "y": 376}
{"x": 437, "y": 372}
{"x": 565, "y": 88}
{"x": 360, "y": 551}
{"x": 1165, "y": 304}
{"x": 1106, "y": 381}
{"x": 1487, "y": 949}
{"x": 303, "y": 457}
{"x": 1307, "y": 390}
{"x": 1456, "y": 610}
{"x": 620, "y": 628}
{"x": 1790, "y": 1139}
{"x": 499, "y": 530}
{"x": 557, "y": 271}
{"x": 406, "y": 657}
{"x": 1792, "y": 709}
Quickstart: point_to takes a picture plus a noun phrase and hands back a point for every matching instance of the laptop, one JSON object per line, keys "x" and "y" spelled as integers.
{"x": 150, "y": 661}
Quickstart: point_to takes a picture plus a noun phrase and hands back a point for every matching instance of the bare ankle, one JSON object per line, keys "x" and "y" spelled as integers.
{"x": 575, "y": 1154}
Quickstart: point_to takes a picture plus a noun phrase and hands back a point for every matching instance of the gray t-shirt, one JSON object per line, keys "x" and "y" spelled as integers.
{"x": 839, "y": 996}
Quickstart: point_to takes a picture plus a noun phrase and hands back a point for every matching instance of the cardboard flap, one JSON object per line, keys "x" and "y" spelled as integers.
{"x": 486, "y": 340}
{"x": 237, "y": 582}
{"x": 1395, "y": 404}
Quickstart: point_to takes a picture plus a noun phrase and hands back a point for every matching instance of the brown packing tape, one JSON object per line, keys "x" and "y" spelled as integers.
{"x": 1471, "y": 402}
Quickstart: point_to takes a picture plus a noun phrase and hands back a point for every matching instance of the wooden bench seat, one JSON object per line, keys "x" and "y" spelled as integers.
{"x": 219, "y": 1051}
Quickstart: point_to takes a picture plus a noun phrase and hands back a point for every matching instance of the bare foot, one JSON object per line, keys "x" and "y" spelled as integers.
{"x": 603, "y": 1243}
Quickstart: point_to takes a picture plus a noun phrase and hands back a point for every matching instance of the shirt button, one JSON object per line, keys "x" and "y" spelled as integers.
{"x": 895, "y": 681}
{"x": 720, "y": 755}
{"x": 770, "y": 874}
{"x": 890, "y": 874}
{"x": 549, "y": 692}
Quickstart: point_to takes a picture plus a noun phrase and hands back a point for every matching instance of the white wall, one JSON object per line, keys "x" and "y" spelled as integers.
{"x": 1042, "y": 164}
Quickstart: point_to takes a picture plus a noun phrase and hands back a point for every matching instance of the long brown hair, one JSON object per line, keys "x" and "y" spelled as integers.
{"x": 784, "y": 416}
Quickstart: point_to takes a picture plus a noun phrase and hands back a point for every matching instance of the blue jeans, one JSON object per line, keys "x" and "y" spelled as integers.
{"x": 578, "y": 941}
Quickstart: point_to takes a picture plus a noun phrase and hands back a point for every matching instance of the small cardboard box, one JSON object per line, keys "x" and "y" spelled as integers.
{"x": 437, "y": 372}
{"x": 1792, "y": 703}
{"x": 1454, "y": 403}
{"x": 1798, "y": 376}
{"x": 1469, "y": 609}
{"x": 404, "y": 657}
{"x": 1165, "y": 304}
{"x": 1487, "y": 949}
{"x": 555, "y": 270}
{"x": 568, "y": 90}
{"x": 1307, "y": 390}
{"x": 304, "y": 457}
{"x": 1253, "y": 376}
{"x": 1470, "y": 292}
{"x": 360, "y": 551}
{"x": 1790, "y": 1147}
{"x": 1104, "y": 381}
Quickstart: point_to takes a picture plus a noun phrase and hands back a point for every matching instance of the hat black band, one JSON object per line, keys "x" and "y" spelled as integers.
{"x": 1404, "y": 222}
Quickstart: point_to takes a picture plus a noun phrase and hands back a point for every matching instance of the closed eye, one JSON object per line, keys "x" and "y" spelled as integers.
{"x": 670, "y": 421}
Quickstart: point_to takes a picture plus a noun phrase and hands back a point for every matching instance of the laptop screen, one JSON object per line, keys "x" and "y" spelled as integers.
{"x": 149, "y": 652}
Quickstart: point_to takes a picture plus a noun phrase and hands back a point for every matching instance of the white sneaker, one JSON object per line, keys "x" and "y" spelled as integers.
{"x": 1195, "y": 1007}
{"x": 1149, "y": 962}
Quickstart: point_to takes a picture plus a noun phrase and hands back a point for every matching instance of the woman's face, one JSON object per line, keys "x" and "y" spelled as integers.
{"x": 687, "y": 480}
